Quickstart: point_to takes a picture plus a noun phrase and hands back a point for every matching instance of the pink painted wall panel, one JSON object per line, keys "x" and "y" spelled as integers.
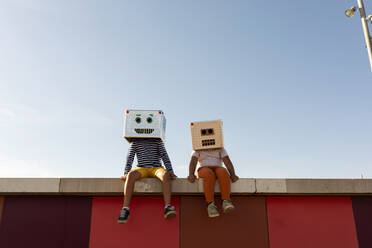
{"x": 145, "y": 228}
{"x": 309, "y": 222}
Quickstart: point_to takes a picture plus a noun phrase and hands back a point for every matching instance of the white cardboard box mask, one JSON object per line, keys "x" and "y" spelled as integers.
{"x": 144, "y": 124}
{"x": 206, "y": 135}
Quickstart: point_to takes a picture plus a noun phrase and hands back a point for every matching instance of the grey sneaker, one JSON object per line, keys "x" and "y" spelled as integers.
{"x": 170, "y": 212}
{"x": 212, "y": 210}
{"x": 227, "y": 206}
{"x": 124, "y": 216}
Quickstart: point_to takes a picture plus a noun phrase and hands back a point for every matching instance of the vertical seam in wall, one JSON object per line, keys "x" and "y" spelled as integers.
{"x": 59, "y": 185}
{"x": 90, "y": 220}
{"x": 65, "y": 203}
{"x": 255, "y": 185}
{"x": 179, "y": 221}
{"x": 267, "y": 223}
{"x": 2, "y": 208}
{"x": 355, "y": 224}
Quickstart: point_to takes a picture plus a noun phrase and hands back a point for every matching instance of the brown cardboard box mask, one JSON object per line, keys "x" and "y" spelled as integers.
{"x": 206, "y": 135}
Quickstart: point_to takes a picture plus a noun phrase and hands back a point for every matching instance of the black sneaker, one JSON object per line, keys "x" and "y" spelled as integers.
{"x": 124, "y": 216}
{"x": 170, "y": 212}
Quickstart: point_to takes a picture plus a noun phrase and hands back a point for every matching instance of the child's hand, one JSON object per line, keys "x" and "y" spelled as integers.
{"x": 124, "y": 177}
{"x": 234, "y": 178}
{"x": 191, "y": 178}
{"x": 172, "y": 176}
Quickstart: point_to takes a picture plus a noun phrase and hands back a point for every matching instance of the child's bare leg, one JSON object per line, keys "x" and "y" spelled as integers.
{"x": 164, "y": 177}
{"x": 132, "y": 177}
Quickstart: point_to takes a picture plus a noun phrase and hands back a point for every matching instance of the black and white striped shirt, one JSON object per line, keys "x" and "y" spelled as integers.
{"x": 149, "y": 152}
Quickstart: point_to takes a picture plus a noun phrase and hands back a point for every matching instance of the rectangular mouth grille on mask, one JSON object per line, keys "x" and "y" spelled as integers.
{"x": 208, "y": 142}
{"x": 144, "y": 130}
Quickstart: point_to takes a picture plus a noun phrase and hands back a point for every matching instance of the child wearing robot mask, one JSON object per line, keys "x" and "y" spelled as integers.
{"x": 145, "y": 131}
{"x": 207, "y": 142}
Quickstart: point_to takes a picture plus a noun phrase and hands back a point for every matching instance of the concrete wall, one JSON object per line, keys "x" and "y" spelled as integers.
{"x": 245, "y": 186}
{"x": 275, "y": 213}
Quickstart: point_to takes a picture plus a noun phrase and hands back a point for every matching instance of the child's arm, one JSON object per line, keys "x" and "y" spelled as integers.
{"x": 166, "y": 160}
{"x": 192, "y": 166}
{"x": 130, "y": 158}
{"x": 230, "y": 167}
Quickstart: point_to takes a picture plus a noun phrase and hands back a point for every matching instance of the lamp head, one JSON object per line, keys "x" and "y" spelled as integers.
{"x": 350, "y": 12}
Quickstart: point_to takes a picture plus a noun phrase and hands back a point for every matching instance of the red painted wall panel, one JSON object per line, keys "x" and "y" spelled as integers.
{"x": 362, "y": 207}
{"x": 245, "y": 227}
{"x": 145, "y": 228}
{"x": 309, "y": 222}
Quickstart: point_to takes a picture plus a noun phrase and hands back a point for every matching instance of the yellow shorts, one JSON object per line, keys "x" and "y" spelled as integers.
{"x": 149, "y": 172}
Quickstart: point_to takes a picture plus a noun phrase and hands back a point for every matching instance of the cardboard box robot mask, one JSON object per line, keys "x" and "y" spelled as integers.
{"x": 206, "y": 135}
{"x": 144, "y": 124}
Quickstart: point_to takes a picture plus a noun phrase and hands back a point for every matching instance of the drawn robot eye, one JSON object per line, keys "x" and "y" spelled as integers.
{"x": 138, "y": 120}
{"x": 149, "y": 119}
{"x": 208, "y": 131}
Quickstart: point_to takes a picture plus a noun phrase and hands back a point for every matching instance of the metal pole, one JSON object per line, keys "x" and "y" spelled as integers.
{"x": 367, "y": 36}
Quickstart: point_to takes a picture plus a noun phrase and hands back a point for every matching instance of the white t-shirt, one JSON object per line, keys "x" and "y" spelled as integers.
{"x": 210, "y": 157}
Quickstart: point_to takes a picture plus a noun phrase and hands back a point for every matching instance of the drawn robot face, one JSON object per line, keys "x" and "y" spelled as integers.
{"x": 206, "y": 135}
{"x": 144, "y": 124}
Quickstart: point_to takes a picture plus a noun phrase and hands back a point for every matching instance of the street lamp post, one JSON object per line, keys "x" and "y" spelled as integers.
{"x": 364, "y": 19}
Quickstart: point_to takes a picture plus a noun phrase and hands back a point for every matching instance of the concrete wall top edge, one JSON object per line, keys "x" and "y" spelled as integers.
{"x": 29, "y": 185}
{"x": 114, "y": 186}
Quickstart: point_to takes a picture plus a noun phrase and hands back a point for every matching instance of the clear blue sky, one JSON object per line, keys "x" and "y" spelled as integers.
{"x": 290, "y": 80}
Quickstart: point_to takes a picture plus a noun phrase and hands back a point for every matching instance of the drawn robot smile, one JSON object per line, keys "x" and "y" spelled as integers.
{"x": 144, "y": 130}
